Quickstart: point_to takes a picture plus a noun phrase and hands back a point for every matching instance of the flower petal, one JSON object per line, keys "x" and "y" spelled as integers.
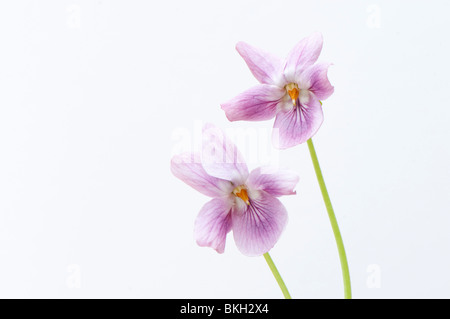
{"x": 213, "y": 223}
{"x": 315, "y": 79}
{"x": 221, "y": 158}
{"x": 304, "y": 54}
{"x": 298, "y": 124}
{"x": 189, "y": 169}
{"x": 273, "y": 181}
{"x": 265, "y": 67}
{"x": 259, "y": 103}
{"x": 258, "y": 226}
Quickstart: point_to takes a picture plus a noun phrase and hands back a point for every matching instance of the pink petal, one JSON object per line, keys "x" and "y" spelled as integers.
{"x": 188, "y": 168}
{"x": 221, "y": 158}
{"x": 315, "y": 79}
{"x": 273, "y": 181}
{"x": 304, "y": 54}
{"x": 256, "y": 104}
{"x": 258, "y": 226}
{"x": 298, "y": 124}
{"x": 213, "y": 224}
{"x": 265, "y": 67}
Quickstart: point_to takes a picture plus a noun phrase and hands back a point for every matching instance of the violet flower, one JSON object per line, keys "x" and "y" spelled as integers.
{"x": 243, "y": 202}
{"x": 290, "y": 91}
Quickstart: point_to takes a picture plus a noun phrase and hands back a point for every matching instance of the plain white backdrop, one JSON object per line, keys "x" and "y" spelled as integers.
{"x": 96, "y": 96}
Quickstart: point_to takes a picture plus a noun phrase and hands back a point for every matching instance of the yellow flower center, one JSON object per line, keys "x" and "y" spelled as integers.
{"x": 241, "y": 192}
{"x": 293, "y": 91}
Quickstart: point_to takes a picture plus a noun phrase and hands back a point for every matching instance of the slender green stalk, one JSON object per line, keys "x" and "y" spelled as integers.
{"x": 277, "y": 276}
{"x": 333, "y": 221}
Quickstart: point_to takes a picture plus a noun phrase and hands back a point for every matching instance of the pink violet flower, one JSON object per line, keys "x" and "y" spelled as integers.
{"x": 290, "y": 91}
{"x": 242, "y": 201}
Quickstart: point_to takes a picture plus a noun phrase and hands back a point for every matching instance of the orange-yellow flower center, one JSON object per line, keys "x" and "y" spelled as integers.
{"x": 293, "y": 91}
{"x": 241, "y": 192}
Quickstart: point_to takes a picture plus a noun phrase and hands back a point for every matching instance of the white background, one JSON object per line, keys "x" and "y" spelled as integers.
{"x": 96, "y": 96}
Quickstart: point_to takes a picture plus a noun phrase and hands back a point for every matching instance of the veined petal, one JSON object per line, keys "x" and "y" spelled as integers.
{"x": 189, "y": 169}
{"x": 221, "y": 158}
{"x": 265, "y": 67}
{"x": 258, "y": 226}
{"x": 273, "y": 181}
{"x": 304, "y": 54}
{"x": 259, "y": 103}
{"x": 213, "y": 224}
{"x": 315, "y": 79}
{"x": 297, "y": 125}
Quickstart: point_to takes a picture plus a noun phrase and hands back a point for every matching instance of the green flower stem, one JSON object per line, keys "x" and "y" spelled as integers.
{"x": 333, "y": 221}
{"x": 277, "y": 276}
